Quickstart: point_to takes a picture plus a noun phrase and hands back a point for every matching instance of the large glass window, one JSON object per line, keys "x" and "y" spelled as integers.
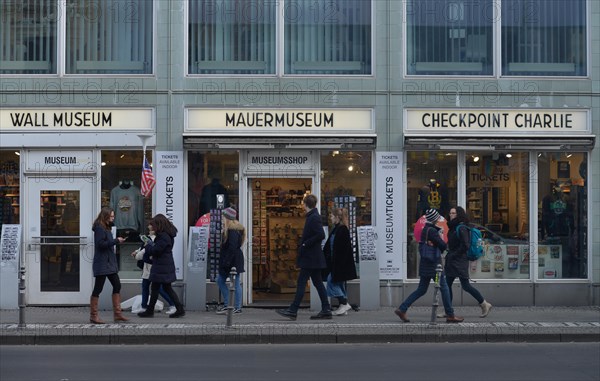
{"x": 449, "y": 37}
{"x": 498, "y": 205}
{"x": 431, "y": 184}
{"x": 121, "y": 175}
{"x": 9, "y": 187}
{"x": 346, "y": 180}
{"x": 544, "y": 37}
{"x": 562, "y": 215}
{"x": 232, "y": 37}
{"x": 112, "y": 36}
{"x": 328, "y": 37}
{"x": 28, "y": 36}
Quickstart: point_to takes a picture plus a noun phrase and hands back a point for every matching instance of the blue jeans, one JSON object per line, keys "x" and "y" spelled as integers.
{"x": 146, "y": 294}
{"x": 336, "y": 289}
{"x": 224, "y": 288}
{"x": 422, "y": 290}
{"x": 464, "y": 283}
{"x": 317, "y": 281}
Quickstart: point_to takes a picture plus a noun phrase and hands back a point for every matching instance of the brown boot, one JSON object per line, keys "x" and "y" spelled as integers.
{"x": 94, "y": 311}
{"x": 454, "y": 319}
{"x": 117, "y": 315}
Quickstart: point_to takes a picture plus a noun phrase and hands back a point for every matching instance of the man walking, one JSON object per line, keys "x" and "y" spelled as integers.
{"x": 311, "y": 261}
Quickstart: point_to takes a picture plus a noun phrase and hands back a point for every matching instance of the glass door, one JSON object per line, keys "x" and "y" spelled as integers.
{"x": 60, "y": 241}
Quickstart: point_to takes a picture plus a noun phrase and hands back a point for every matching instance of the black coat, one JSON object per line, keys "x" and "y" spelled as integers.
{"x": 431, "y": 233}
{"x": 310, "y": 254}
{"x": 231, "y": 253}
{"x": 163, "y": 265}
{"x": 340, "y": 261}
{"x": 105, "y": 259}
{"x": 457, "y": 264}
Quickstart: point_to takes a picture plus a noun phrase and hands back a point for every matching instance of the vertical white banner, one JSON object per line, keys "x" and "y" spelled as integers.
{"x": 170, "y": 196}
{"x": 388, "y": 201}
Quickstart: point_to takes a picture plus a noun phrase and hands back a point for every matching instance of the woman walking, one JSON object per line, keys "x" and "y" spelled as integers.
{"x": 234, "y": 235}
{"x": 105, "y": 265}
{"x": 162, "y": 272}
{"x": 340, "y": 260}
{"x": 457, "y": 264}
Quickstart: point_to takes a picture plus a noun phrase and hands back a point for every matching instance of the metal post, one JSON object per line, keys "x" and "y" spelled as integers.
{"x": 436, "y": 292}
{"x": 22, "y": 296}
{"x": 230, "y": 306}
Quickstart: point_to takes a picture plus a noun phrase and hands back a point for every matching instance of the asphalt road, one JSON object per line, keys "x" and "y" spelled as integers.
{"x": 351, "y": 362}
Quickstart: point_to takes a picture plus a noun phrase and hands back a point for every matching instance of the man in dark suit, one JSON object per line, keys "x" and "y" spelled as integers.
{"x": 311, "y": 261}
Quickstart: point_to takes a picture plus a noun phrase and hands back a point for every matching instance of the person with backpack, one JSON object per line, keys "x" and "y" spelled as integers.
{"x": 457, "y": 262}
{"x": 430, "y": 236}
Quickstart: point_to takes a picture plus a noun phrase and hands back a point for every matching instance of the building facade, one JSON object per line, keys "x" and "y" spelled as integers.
{"x": 386, "y": 108}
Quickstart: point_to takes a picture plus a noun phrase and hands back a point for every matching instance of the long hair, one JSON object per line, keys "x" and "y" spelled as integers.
{"x": 160, "y": 223}
{"x": 461, "y": 215}
{"x": 103, "y": 218}
{"x": 236, "y": 225}
{"x": 341, "y": 214}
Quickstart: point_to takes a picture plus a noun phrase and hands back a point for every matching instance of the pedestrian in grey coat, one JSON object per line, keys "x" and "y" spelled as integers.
{"x": 311, "y": 261}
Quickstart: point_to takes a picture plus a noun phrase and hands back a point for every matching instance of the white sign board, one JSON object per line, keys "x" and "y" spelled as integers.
{"x": 67, "y": 161}
{"x": 170, "y": 196}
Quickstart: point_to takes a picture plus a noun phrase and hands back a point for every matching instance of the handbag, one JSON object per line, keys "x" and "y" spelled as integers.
{"x": 429, "y": 253}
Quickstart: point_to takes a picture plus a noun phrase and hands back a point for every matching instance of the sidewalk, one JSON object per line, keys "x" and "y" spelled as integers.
{"x": 69, "y": 325}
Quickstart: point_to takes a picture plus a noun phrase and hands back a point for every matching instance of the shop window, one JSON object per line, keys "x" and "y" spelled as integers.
{"x": 562, "y": 215}
{"x": 346, "y": 180}
{"x": 211, "y": 174}
{"x": 121, "y": 176}
{"x": 28, "y": 40}
{"x": 431, "y": 183}
{"x": 9, "y": 187}
{"x": 497, "y": 203}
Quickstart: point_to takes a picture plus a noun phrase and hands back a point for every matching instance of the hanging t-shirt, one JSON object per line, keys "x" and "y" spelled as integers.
{"x": 128, "y": 205}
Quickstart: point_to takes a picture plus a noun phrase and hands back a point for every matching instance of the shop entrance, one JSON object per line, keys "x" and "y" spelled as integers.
{"x": 59, "y": 240}
{"x": 277, "y": 220}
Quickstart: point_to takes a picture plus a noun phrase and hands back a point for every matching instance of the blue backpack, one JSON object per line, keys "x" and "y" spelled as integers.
{"x": 476, "y": 249}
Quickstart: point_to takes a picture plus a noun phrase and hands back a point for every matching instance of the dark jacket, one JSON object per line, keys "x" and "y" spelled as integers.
{"x": 310, "y": 254}
{"x": 457, "y": 264}
{"x": 431, "y": 233}
{"x": 163, "y": 265}
{"x": 231, "y": 251}
{"x": 105, "y": 259}
{"x": 340, "y": 261}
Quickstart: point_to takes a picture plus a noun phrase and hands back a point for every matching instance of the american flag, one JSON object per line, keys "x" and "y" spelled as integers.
{"x": 148, "y": 179}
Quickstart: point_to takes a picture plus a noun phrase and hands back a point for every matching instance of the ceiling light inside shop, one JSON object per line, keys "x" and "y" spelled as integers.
{"x": 350, "y": 168}
{"x": 509, "y": 155}
{"x": 17, "y": 153}
{"x": 103, "y": 163}
{"x": 569, "y": 155}
{"x": 476, "y": 159}
{"x": 122, "y": 156}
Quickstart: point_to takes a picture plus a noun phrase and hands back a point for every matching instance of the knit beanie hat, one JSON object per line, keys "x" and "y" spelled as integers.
{"x": 230, "y": 213}
{"x": 432, "y": 215}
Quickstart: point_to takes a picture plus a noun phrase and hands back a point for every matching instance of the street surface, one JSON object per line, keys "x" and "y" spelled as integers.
{"x": 289, "y": 362}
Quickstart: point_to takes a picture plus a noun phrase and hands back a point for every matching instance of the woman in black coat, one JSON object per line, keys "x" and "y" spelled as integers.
{"x": 340, "y": 260}
{"x": 160, "y": 252}
{"x": 457, "y": 264}
{"x": 311, "y": 262}
{"x": 430, "y": 235}
{"x": 105, "y": 265}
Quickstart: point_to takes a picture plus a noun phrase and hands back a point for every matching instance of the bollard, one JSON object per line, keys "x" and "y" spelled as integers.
{"x": 230, "y": 306}
{"x": 22, "y": 297}
{"x": 436, "y": 291}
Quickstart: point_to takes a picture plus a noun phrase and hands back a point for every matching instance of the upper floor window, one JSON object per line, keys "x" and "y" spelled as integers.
{"x": 240, "y": 37}
{"x": 459, "y": 37}
{"x": 544, "y": 37}
{"x": 101, "y": 37}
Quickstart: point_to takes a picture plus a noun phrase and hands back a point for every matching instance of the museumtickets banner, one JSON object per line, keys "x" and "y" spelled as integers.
{"x": 170, "y": 196}
{"x": 391, "y": 238}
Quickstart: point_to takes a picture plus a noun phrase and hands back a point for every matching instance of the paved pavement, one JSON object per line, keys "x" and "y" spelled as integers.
{"x": 69, "y": 325}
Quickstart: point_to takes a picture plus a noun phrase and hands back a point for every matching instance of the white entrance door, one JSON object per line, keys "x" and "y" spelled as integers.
{"x": 59, "y": 240}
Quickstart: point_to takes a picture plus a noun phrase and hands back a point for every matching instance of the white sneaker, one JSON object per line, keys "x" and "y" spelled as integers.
{"x": 137, "y": 310}
{"x": 342, "y": 310}
{"x": 171, "y": 310}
